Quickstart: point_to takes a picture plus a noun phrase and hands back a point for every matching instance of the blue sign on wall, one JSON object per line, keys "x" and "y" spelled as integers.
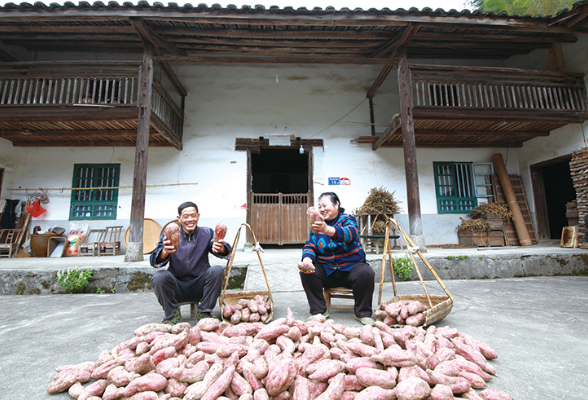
{"x": 339, "y": 181}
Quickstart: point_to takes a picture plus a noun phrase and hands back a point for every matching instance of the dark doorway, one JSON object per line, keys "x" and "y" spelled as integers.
{"x": 279, "y": 171}
{"x": 558, "y": 191}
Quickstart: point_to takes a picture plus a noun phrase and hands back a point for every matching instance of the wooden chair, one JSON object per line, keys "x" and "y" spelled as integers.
{"x": 9, "y": 239}
{"x": 193, "y": 307}
{"x": 110, "y": 246}
{"x": 88, "y": 247}
{"x": 338, "y": 293}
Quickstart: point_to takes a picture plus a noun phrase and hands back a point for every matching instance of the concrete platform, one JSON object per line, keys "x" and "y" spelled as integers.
{"x": 536, "y": 325}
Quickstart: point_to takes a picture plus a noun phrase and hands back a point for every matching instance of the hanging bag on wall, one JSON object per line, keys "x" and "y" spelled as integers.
{"x": 35, "y": 208}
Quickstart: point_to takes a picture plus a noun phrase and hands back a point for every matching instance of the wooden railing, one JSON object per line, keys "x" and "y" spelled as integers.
{"x": 499, "y": 88}
{"x": 166, "y": 109}
{"x": 109, "y": 84}
{"x": 68, "y": 90}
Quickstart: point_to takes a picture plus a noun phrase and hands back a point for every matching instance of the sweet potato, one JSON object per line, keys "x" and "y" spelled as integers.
{"x": 240, "y": 386}
{"x": 260, "y": 394}
{"x": 190, "y": 375}
{"x": 359, "y": 362}
{"x": 198, "y": 389}
{"x": 153, "y": 327}
{"x": 81, "y": 375}
{"x": 272, "y": 332}
{"x": 395, "y": 356}
{"x": 208, "y": 324}
{"x": 175, "y": 387}
{"x": 327, "y": 369}
{"x": 102, "y": 371}
{"x": 150, "y": 382}
{"x": 220, "y": 385}
{"x": 375, "y": 377}
{"x": 376, "y": 393}
{"x": 112, "y": 392}
{"x": 471, "y": 395}
{"x": 412, "y": 389}
{"x": 494, "y": 394}
{"x": 248, "y": 374}
{"x": 301, "y": 389}
{"x": 120, "y": 376}
{"x": 147, "y": 395}
{"x": 362, "y": 350}
{"x": 348, "y": 395}
{"x": 85, "y": 366}
{"x": 475, "y": 380}
{"x": 95, "y": 389}
{"x": 75, "y": 390}
{"x": 160, "y": 355}
{"x": 335, "y": 389}
{"x": 172, "y": 233}
{"x": 441, "y": 392}
{"x": 220, "y": 231}
{"x": 456, "y": 383}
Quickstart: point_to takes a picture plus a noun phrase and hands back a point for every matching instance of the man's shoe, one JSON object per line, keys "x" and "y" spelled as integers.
{"x": 174, "y": 319}
{"x": 325, "y": 314}
{"x": 202, "y": 315}
{"x": 366, "y": 320}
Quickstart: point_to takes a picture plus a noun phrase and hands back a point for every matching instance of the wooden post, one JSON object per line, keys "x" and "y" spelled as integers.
{"x": 511, "y": 200}
{"x": 135, "y": 245}
{"x": 408, "y": 140}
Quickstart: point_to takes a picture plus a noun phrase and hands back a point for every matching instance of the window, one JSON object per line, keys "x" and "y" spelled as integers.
{"x": 455, "y": 187}
{"x": 94, "y": 203}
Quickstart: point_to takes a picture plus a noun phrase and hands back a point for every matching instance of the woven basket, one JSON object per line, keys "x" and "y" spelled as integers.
{"x": 232, "y": 297}
{"x": 442, "y": 306}
{"x": 438, "y": 306}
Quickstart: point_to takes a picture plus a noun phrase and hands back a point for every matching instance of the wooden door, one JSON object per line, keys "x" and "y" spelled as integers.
{"x": 279, "y": 218}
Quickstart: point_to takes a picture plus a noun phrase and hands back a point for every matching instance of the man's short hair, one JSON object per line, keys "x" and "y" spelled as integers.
{"x": 186, "y": 205}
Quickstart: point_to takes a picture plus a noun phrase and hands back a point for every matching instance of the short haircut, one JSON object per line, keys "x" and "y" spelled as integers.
{"x": 186, "y": 205}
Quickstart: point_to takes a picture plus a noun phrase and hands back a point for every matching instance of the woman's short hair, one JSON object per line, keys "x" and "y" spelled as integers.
{"x": 334, "y": 199}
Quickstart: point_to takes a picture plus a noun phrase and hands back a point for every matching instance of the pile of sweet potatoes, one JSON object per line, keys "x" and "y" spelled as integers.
{"x": 248, "y": 310}
{"x": 407, "y": 312}
{"x": 285, "y": 359}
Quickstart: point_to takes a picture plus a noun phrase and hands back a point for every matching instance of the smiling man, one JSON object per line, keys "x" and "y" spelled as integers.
{"x": 189, "y": 276}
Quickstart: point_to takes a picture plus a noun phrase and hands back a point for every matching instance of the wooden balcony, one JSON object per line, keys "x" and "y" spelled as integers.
{"x": 67, "y": 104}
{"x": 486, "y": 107}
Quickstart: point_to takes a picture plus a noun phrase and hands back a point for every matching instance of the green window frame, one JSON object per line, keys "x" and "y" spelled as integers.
{"x": 455, "y": 187}
{"x": 94, "y": 203}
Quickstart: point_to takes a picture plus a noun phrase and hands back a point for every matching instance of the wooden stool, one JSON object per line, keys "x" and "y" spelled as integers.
{"x": 338, "y": 293}
{"x": 193, "y": 307}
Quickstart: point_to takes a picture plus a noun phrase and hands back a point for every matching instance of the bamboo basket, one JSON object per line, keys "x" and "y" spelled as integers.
{"x": 232, "y": 297}
{"x": 438, "y": 306}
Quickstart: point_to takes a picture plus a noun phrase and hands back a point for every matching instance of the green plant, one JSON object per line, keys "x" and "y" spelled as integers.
{"x": 462, "y": 257}
{"x": 495, "y": 258}
{"x": 403, "y": 267}
{"x": 451, "y": 257}
{"x": 75, "y": 280}
{"x": 100, "y": 291}
{"x": 113, "y": 290}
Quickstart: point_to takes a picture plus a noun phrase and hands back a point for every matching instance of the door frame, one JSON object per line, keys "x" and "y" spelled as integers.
{"x": 254, "y": 146}
{"x": 539, "y": 199}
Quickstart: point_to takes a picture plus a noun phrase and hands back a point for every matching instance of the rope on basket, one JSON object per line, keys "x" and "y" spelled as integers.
{"x": 257, "y": 247}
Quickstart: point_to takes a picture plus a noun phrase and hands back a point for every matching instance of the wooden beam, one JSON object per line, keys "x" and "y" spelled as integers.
{"x": 148, "y": 36}
{"x": 450, "y": 37}
{"x": 196, "y": 59}
{"x": 130, "y": 143}
{"x": 275, "y": 34}
{"x": 393, "y": 128}
{"x": 135, "y": 245}
{"x": 70, "y": 133}
{"x": 504, "y": 115}
{"x": 407, "y": 36}
{"x": 425, "y": 132}
{"x": 410, "y": 163}
{"x": 459, "y": 145}
{"x": 379, "y": 81}
{"x": 246, "y": 42}
{"x": 393, "y": 45}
